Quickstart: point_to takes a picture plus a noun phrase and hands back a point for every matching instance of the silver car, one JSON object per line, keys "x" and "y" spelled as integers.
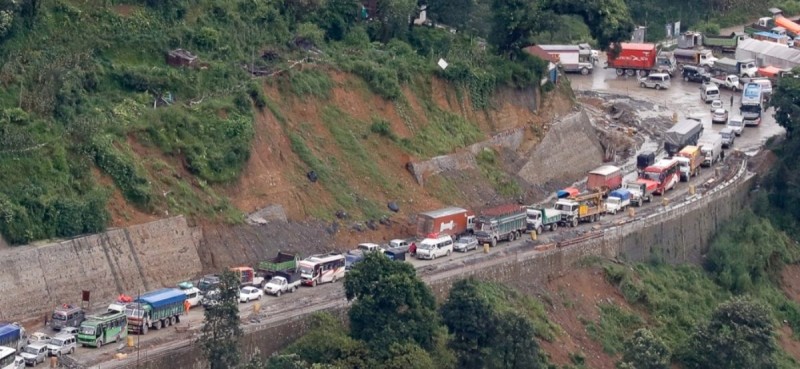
{"x": 655, "y": 80}
{"x": 466, "y": 243}
{"x": 34, "y": 353}
{"x": 61, "y": 344}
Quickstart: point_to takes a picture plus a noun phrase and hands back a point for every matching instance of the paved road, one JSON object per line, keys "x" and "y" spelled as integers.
{"x": 682, "y": 98}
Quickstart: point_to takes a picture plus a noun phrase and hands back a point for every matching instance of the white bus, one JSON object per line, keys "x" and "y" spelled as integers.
{"x": 8, "y": 359}
{"x": 322, "y": 268}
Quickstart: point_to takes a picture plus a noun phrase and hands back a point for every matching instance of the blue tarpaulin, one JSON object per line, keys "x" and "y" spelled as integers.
{"x": 162, "y": 297}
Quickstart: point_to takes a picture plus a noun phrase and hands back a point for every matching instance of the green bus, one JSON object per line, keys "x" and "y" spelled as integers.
{"x": 101, "y": 329}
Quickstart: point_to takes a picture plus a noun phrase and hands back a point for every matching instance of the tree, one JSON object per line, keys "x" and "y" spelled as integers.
{"x": 327, "y": 342}
{"x": 408, "y": 356}
{"x": 514, "y": 345}
{"x": 643, "y": 350}
{"x": 514, "y": 24}
{"x": 786, "y": 100}
{"x": 392, "y": 305}
{"x": 221, "y": 332}
{"x": 394, "y": 18}
{"x": 738, "y": 336}
{"x": 469, "y": 317}
{"x": 609, "y": 20}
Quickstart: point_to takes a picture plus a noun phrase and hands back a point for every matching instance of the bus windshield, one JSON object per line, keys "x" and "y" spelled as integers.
{"x": 653, "y": 176}
{"x": 59, "y": 316}
{"x": 7, "y": 357}
{"x": 87, "y": 330}
{"x": 307, "y": 270}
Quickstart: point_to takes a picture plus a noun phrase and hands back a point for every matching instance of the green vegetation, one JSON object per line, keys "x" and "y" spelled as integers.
{"x": 614, "y": 326}
{"x": 492, "y": 170}
{"x": 221, "y": 329}
{"x": 86, "y": 85}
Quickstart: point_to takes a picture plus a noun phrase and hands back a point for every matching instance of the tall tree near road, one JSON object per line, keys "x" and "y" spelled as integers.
{"x": 738, "y": 336}
{"x": 644, "y": 350}
{"x": 469, "y": 317}
{"x": 514, "y": 24}
{"x": 609, "y": 20}
{"x": 221, "y": 332}
{"x": 786, "y": 101}
{"x": 392, "y": 305}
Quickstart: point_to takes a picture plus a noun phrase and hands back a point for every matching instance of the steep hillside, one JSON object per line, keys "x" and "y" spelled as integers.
{"x": 115, "y": 114}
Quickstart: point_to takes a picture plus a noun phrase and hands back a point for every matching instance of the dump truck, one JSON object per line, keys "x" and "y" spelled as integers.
{"x": 451, "y": 221}
{"x": 684, "y": 133}
{"x": 729, "y": 81}
{"x": 540, "y": 219}
{"x": 641, "y": 59}
{"x": 741, "y": 68}
{"x": 641, "y": 191}
{"x": 618, "y": 200}
{"x": 723, "y": 44}
{"x": 155, "y": 309}
{"x": 604, "y": 179}
{"x": 689, "y": 160}
{"x": 283, "y": 282}
{"x": 586, "y": 207}
{"x": 283, "y": 262}
{"x": 697, "y": 57}
{"x": 504, "y": 222}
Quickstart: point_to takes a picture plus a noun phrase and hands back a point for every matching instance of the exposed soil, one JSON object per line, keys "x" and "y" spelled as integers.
{"x": 574, "y": 298}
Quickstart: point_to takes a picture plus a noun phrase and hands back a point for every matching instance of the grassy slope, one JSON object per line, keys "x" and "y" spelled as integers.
{"x": 80, "y": 83}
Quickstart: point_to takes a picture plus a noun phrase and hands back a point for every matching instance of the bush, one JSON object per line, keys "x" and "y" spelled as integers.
{"x": 382, "y": 127}
{"x": 120, "y": 166}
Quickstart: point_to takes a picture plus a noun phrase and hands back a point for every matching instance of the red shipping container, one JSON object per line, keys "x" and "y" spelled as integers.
{"x": 634, "y": 56}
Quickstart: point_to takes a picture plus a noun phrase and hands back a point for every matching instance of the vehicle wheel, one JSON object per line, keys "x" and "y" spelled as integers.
{"x": 539, "y": 230}
{"x": 642, "y": 73}
{"x": 246, "y": 300}
{"x": 575, "y": 222}
{"x": 144, "y": 330}
{"x": 620, "y": 72}
{"x": 72, "y": 350}
{"x": 433, "y": 256}
{"x": 641, "y": 84}
{"x": 686, "y": 79}
{"x": 554, "y": 226}
{"x": 293, "y": 289}
{"x": 658, "y": 87}
{"x": 177, "y": 319}
{"x": 511, "y": 237}
{"x": 630, "y": 72}
{"x": 448, "y": 252}
{"x": 584, "y": 71}
{"x": 494, "y": 242}
{"x": 278, "y": 294}
{"x": 313, "y": 283}
{"x": 99, "y": 343}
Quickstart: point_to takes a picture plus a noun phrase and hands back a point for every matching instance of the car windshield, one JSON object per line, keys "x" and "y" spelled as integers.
{"x": 426, "y": 246}
{"x": 725, "y": 134}
{"x": 31, "y": 350}
{"x": 56, "y": 342}
{"x": 736, "y": 123}
{"x": 57, "y": 316}
{"x": 275, "y": 281}
{"x": 136, "y": 313}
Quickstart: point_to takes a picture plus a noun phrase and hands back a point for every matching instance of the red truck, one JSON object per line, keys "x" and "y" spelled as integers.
{"x": 451, "y": 221}
{"x": 604, "y": 179}
{"x": 641, "y": 59}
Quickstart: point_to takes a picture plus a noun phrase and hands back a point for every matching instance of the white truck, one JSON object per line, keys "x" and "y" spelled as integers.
{"x": 572, "y": 58}
{"x": 640, "y": 192}
{"x": 710, "y": 148}
{"x": 741, "y": 68}
{"x": 283, "y": 282}
{"x": 729, "y": 81}
{"x": 618, "y": 200}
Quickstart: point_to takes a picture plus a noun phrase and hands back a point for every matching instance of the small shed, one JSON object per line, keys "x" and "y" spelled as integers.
{"x": 552, "y": 60}
{"x": 181, "y": 58}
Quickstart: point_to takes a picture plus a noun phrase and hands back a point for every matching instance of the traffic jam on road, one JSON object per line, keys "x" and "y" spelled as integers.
{"x": 690, "y": 80}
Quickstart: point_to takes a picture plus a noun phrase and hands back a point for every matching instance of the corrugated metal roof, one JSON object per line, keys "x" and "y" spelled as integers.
{"x": 444, "y": 212}
{"x": 770, "y": 49}
{"x": 605, "y": 170}
{"x": 771, "y": 35}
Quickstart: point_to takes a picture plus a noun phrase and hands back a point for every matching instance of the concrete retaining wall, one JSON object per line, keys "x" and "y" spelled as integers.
{"x": 131, "y": 260}
{"x": 679, "y": 234}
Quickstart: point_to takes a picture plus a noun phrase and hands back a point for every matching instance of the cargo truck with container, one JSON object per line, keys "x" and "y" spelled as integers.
{"x": 752, "y": 104}
{"x": 539, "y": 219}
{"x": 641, "y": 59}
{"x": 682, "y": 134}
{"x": 618, "y": 200}
{"x": 12, "y": 335}
{"x": 641, "y": 191}
{"x": 742, "y": 68}
{"x": 711, "y": 148}
{"x": 604, "y": 179}
{"x": 586, "y": 207}
{"x": 695, "y": 57}
{"x": 572, "y": 58}
{"x": 689, "y": 160}
{"x": 156, "y": 309}
{"x": 451, "y": 221}
{"x": 247, "y": 277}
{"x": 501, "y": 223}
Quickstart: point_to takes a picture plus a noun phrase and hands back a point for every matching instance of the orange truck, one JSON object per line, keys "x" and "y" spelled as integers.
{"x": 689, "y": 160}
{"x": 247, "y": 276}
{"x": 451, "y": 221}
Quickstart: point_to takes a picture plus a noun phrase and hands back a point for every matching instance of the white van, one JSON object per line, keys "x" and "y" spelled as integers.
{"x": 431, "y": 248}
{"x": 709, "y": 92}
{"x": 655, "y": 80}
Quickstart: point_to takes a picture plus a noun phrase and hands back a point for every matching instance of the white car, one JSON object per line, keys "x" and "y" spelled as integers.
{"x": 736, "y": 124}
{"x": 38, "y": 337}
{"x": 69, "y": 330}
{"x": 247, "y": 294}
{"x": 465, "y": 244}
{"x": 716, "y": 104}
{"x": 34, "y": 353}
{"x": 720, "y": 116}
